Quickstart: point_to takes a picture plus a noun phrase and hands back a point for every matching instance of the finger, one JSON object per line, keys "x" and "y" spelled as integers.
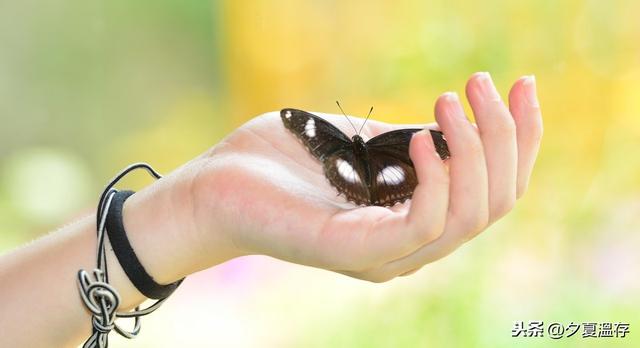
{"x": 498, "y": 134}
{"x": 468, "y": 202}
{"x": 468, "y": 193}
{"x": 525, "y": 109}
{"x": 430, "y": 200}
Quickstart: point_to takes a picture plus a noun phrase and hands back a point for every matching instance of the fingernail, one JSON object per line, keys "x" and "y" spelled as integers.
{"x": 530, "y": 93}
{"x": 453, "y": 108}
{"x": 428, "y": 141}
{"x": 487, "y": 90}
{"x": 450, "y": 96}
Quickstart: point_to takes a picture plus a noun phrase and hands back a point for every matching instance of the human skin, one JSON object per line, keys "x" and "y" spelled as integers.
{"x": 259, "y": 192}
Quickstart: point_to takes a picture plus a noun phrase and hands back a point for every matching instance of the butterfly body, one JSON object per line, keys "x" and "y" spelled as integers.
{"x": 375, "y": 172}
{"x": 362, "y": 155}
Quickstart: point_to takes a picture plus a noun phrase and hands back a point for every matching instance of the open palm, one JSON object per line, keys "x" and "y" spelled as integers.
{"x": 262, "y": 188}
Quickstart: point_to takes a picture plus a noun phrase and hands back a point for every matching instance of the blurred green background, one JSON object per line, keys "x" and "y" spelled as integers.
{"x": 88, "y": 87}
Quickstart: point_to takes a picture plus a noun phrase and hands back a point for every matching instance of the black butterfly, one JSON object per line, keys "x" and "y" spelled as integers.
{"x": 378, "y": 172}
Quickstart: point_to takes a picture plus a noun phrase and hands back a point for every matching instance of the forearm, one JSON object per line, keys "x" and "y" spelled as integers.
{"x": 40, "y": 305}
{"x": 39, "y": 297}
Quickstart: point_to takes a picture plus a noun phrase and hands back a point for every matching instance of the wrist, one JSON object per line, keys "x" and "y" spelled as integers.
{"x": 169, "y": 239}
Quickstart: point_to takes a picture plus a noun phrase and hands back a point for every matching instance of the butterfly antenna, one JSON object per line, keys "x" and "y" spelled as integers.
{"x": 345, "y": 115}
{"x": 365, "y": 120}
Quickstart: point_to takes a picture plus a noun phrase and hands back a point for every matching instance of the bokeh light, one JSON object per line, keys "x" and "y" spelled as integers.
{"x": 46, "y": 184}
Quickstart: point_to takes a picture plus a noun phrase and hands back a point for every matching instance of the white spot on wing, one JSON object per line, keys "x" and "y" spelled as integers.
{"x": 346, "y": 171}
{"x": 391, "y": 175}
{"x": 287, "y": 114}
{"x": 310, "y": 128}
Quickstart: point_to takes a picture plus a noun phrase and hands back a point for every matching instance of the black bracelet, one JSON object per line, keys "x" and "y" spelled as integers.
{"x": 127, "y": 257}
{"x": 100, "y": 297}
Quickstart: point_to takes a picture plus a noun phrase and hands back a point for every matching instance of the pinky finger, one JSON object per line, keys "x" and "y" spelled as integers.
{"x": 525, "y": 109}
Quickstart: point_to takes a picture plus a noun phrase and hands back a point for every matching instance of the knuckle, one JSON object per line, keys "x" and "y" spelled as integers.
{"x": 427, "y": 235}
{"x": 502, "y": 207}
{"x": 440, "y": 177}
{"x": 424, "y": 230}
{"x": 501, "y": 127}
{"x": 474, "y": 223}
{"x": 474, "y": 146}
{"x": 506, "y": 126}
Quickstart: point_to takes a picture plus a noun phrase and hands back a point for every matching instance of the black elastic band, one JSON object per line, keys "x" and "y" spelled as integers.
{"x": 127, "y": 257}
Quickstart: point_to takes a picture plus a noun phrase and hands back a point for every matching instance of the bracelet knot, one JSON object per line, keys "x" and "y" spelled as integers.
{"x": 102, "y": 300}
{"x": 98, "y": 296}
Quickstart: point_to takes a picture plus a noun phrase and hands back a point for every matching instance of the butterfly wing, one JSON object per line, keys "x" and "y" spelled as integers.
{"x": 393, "y": 177}
{"x": 392, "y": 180}
{"x": 399, "y": 140}
{"x": 347, "y": 174}
{"x": 319, "y": 136}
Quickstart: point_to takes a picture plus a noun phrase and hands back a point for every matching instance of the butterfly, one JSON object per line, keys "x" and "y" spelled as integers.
{"x": 377, "y": 172}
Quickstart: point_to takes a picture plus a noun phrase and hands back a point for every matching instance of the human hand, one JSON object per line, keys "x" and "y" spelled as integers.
{"x": 260, "y": 192}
